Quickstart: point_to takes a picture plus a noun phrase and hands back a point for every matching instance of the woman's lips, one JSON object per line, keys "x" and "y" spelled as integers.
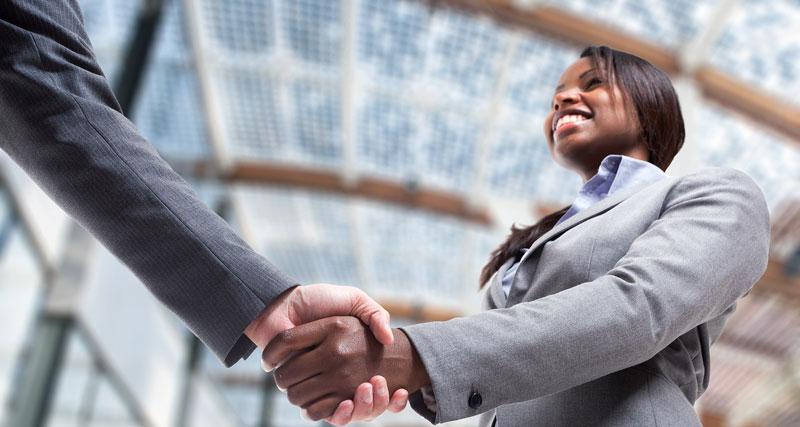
{"x": 568, "y": 126}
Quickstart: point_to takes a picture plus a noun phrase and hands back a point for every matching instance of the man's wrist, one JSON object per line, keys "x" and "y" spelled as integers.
{"x": 258, "y": 330}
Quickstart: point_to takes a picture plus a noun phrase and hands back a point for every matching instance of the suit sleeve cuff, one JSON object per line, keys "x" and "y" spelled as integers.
{"x": 242, "y": 349}
{"x": 418, "y": 404}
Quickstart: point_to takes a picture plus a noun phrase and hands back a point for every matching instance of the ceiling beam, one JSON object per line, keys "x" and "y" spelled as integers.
{"x": 776, "y": 281}
{"x": 566, "y": 26}
{"x": 767, "y": 109}
{"x": 405, "y": 194}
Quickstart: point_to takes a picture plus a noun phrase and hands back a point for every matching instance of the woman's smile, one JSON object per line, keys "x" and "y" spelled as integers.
{"x": 567, "y": 123}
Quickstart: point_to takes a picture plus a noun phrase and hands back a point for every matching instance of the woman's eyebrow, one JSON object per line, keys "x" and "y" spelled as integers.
{"x": 561, "y": 86}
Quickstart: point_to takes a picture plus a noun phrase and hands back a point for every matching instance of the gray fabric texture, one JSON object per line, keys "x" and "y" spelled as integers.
{"x": 61, "y": 123}
{"x": 610, "y": 318}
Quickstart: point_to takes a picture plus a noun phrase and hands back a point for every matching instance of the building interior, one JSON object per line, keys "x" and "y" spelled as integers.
{"x": 389, "y": 145}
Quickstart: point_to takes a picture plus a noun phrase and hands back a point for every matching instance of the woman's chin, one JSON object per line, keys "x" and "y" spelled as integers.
{"x": 569, "y": 145}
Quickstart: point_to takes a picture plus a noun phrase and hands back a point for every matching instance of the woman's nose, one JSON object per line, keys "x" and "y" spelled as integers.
{"x": 565, "y": 97}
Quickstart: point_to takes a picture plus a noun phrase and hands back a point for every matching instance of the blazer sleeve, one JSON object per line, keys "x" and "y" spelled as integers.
{"x": 707, "y": 249}
{"x": 61, "y": 123}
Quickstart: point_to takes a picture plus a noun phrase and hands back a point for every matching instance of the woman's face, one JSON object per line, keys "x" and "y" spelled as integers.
{"x": 586, "y": 123}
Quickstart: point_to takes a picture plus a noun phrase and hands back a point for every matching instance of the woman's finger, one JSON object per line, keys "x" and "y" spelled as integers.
{"x": 322, "y": 408}
{"x": 343, "y": 414}
{"x": 380, "y": 396}
{"x": 299, "y": 368}
{"x": 308, "y": 391}
{"x": 398, "y": 401}
{"x": 363, "y": 402}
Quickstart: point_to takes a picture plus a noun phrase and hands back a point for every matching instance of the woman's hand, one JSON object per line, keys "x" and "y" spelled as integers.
{"x": 329, "y": 358}
{"x": 370, "y": 401}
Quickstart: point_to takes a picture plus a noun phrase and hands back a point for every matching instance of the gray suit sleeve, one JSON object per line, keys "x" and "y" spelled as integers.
{"x": 707, "y": 249}
{"x": 60, "y": 122}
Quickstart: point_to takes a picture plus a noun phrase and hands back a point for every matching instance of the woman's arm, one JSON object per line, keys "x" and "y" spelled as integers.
{"x": 707, "y": 249}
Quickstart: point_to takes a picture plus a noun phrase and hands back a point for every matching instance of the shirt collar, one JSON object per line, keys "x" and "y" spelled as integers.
{"x": 617, "y": 172}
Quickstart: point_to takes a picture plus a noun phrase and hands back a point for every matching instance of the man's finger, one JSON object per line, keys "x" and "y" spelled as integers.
{"x": 379, "y": 325}
{"x": 289, "y": 341}
{"x": 321, "y": 300}
{"x": 375, "y": 316}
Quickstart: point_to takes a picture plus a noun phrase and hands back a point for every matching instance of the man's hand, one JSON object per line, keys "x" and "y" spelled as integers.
{"x": 303, "y": 304}
{"x": 331, "y": 357}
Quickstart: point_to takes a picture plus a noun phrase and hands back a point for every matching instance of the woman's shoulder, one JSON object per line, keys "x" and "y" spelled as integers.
{"x": 718, "y": 177}
{"x": 724, "y": 187}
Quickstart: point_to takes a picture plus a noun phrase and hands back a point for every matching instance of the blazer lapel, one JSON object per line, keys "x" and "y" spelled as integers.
{"x": 497, "y": 298}
{"x": 524, "y": 273}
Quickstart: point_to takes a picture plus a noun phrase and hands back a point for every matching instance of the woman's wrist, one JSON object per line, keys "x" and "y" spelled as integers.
{"x": 410, "y": 371}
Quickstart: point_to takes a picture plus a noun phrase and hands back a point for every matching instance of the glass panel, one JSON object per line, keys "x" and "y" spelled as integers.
{"x": 84, "y": 395}
{"x": 308, "y": 235}
{"x": 465, "y": 55}
{"x": 109, "y": 24}
{"x": 239, "y": 27}
{"x": 138, "y": 343}
{"x": 20, "y": 291}
{"x": 313, "y": 29}
{"x": 252, "y": 113}
{"x": 169, "y": 106}
{"x": 393, "y": 38}
{"x": 732, "y": 141}
{"x": 668, "y": 23}
{"x": 757, "y": 47}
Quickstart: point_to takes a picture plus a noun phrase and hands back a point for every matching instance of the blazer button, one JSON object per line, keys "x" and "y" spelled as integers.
{"x": 475, "y": 400}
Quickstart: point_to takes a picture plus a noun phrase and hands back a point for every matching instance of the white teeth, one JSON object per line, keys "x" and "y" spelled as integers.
{"x": 569, "y": 119}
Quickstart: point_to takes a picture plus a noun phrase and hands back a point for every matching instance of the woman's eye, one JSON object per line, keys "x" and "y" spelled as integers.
{"x": 594, "y": 81}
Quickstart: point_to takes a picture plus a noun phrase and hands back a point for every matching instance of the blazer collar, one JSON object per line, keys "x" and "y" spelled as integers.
{"x": 520, "y": 283}
{"x": 592, "y": 211}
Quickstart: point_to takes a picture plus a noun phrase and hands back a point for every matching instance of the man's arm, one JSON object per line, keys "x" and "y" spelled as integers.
{"x": 61, "y": 123}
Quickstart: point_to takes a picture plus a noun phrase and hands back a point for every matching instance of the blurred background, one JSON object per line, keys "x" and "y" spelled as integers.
{"x": 387, "y": 144}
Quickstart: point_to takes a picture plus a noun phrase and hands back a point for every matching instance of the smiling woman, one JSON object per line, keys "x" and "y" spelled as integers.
{"x": 602, "y": 313}
{"x": 618, "y": 102}
{"x": 624, "y": 105}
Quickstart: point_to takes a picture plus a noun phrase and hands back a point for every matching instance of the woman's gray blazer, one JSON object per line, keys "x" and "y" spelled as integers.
{"x": 610, "y": 316}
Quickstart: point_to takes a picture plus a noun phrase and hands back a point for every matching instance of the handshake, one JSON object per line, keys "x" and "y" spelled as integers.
{"x": 333, "y": 352}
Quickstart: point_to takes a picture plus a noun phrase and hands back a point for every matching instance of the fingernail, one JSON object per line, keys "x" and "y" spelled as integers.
{"x": 382, "y": 391}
